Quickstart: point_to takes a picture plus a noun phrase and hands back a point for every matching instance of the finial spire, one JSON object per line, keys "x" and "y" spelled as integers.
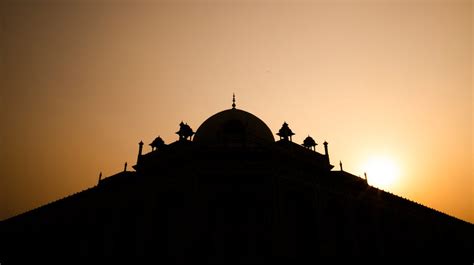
{"x": 100, "y": 178}
{"x": 140, "y": 150}
{"x": 233, "y": 100}
{"x": 326, "y": 153}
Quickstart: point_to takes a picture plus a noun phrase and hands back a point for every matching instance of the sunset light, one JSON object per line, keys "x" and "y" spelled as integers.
{"x": 382, "y": 172}
{"x": 197, "y": 131}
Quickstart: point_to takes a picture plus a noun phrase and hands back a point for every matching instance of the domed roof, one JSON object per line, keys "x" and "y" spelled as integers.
{"x": 233, "y": 126}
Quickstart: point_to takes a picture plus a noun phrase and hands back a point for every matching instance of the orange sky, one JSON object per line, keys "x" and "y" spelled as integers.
{"x": 82, "y": 83}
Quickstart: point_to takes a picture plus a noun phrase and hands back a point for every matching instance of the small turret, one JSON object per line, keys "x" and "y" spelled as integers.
{"x": 157, "y": 143}
{"x": 184, "y": 132}
{"x": 310, "y": 143}
{"x": 285, "y": 132}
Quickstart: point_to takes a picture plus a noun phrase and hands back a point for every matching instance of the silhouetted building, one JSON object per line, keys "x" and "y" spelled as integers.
{"x": 234, "y": 194}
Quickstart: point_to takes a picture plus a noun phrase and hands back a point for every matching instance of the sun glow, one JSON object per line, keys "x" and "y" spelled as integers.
{"x": 382, "y": 172}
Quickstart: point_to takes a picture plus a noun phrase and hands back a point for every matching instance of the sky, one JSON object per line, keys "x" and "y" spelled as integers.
{"x": 82, "y": 82}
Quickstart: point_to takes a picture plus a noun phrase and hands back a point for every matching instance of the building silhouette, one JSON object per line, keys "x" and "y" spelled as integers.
{"x": 230, "y": 193}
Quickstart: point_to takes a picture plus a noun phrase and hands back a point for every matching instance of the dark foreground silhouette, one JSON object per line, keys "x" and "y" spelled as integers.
{"x": 232, "y": 194}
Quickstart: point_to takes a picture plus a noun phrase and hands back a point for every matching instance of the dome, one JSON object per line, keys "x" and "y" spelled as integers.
{"x": 234, "y": 127}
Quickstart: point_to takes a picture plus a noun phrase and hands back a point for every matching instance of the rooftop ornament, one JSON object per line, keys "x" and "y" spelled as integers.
{"x": 185, "y": 132}
{"x": 285, "y": 132}
{"x": 310, "y": 143}
{"x": 157, "y": 143}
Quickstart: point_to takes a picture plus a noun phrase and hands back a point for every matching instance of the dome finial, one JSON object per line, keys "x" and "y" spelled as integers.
{"x": 233, "y": 100}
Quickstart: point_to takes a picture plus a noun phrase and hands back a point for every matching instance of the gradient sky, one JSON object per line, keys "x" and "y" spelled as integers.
{"x": 82, "y": 82}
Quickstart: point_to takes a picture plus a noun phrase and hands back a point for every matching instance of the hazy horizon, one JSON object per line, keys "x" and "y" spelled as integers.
{"x": 83, "y": 82}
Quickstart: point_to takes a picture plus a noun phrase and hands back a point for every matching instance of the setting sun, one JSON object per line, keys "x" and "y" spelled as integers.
{"x": 382, "y": 172}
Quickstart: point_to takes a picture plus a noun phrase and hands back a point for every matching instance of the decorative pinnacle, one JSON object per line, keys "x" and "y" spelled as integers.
{"x": 233, "y": 100}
